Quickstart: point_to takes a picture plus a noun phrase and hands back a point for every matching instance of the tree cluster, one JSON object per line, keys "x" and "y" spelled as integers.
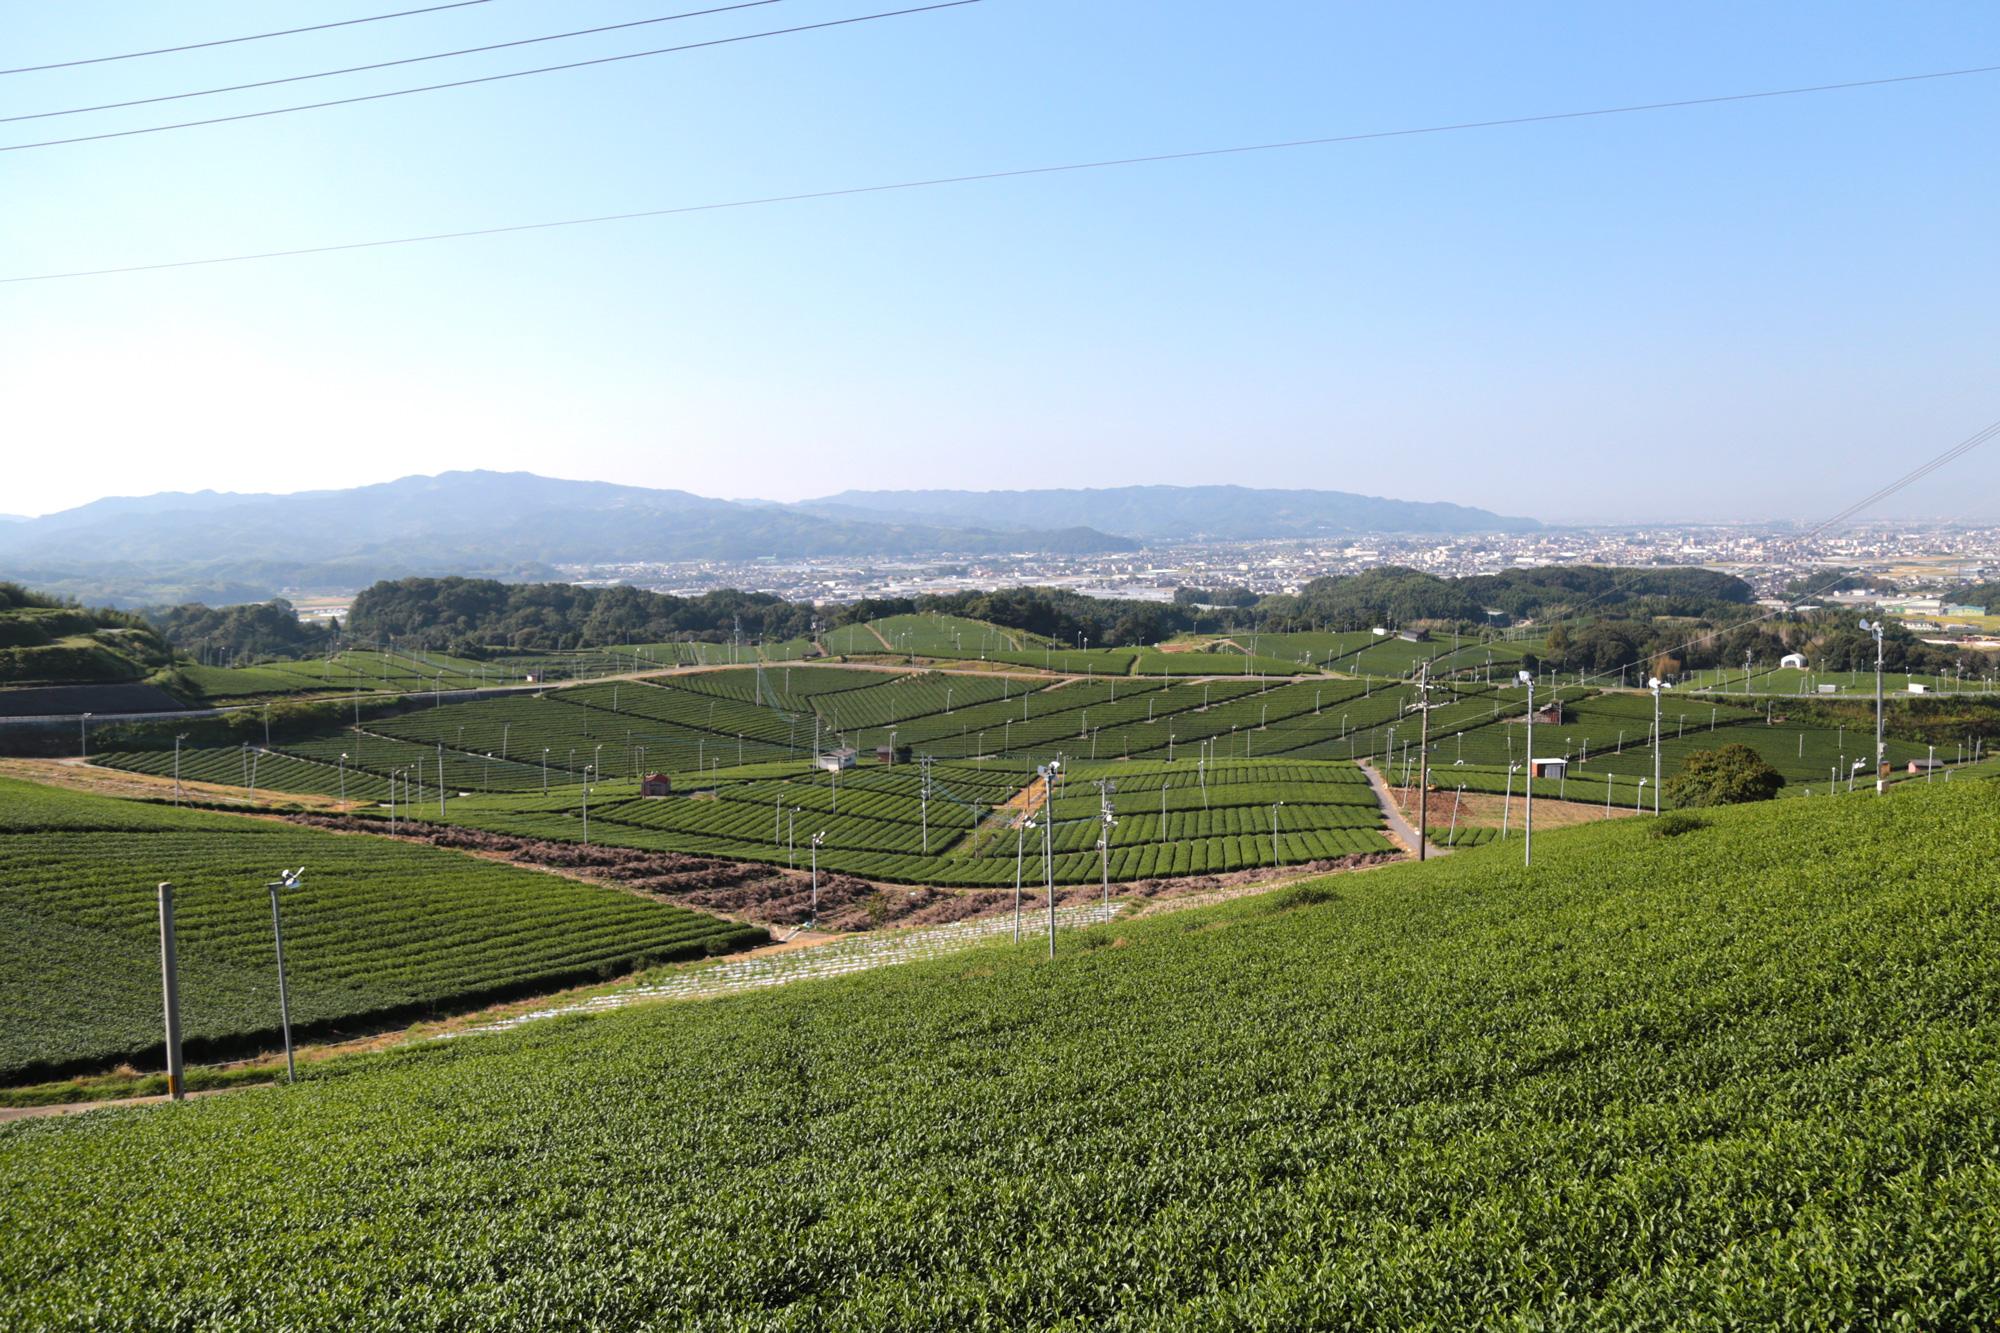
{"x": 258, "y": 629}
{"x": 1731, "y": 775}
{"x": 471, "y": 616}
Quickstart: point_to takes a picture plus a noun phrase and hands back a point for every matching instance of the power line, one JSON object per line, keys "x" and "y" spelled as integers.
{"x": 1951, "y": 455}
{"x": 231, "y": 41}
{"x": 486, "y": 78}
{"x": 385, "y": 64}
{"x": 975, "y": 177}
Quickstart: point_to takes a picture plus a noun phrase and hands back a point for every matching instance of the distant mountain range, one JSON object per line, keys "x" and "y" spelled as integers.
{"x": 222, "y": 547}
{"x": 1172, "y": 513}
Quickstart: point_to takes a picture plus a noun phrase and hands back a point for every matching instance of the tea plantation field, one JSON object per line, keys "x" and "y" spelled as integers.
{"x": 1190, "y": 817}
{"x": 1745, "y": 1077}
{"x": 993, "y": 731}
{"x": 378, "y": 929}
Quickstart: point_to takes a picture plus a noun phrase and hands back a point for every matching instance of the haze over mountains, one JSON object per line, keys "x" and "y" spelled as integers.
{"x": 1175, "y": 513}
{"x": 219, "y": 546}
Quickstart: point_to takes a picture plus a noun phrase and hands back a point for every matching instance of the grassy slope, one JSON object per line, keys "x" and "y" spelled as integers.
{"x": 380, "y": 928}
{"x": 1744, "y": 1076}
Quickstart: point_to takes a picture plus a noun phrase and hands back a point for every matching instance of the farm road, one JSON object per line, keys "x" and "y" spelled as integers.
{"x": 1399, "y": 827}
{"x": 860, "y": 953}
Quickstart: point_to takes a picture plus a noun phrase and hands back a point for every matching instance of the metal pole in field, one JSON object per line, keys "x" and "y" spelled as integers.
{"x": 1881, "y": 783}
{"x": 924, "y": 798}
{"x": 343, "y": 776}
{"x": 1528, "y": 782}
{"x": 1423, "y": 771}
{"x": 817, "y": 839}
{"x": 83, "y": 736}
{"x": 1657, "y": 739}
{"x": 1020, "y": 841}
{"x": 440, "y": 779}
{"x": 177, "y": 767}
{"x": 588, "y": 769}
{"x": 171, "y": 993}
{"x": 1049, "y": 847}
{"x": 287, "y": 879}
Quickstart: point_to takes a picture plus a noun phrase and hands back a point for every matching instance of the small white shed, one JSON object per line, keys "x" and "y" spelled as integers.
{"x": 1795, "y": 661}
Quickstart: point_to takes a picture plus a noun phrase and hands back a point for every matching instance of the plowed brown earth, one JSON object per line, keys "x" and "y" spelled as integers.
{"x": 745, "y": 890}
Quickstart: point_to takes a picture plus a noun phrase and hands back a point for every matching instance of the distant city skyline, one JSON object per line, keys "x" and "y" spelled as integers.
{"x": 1756, "y": 311}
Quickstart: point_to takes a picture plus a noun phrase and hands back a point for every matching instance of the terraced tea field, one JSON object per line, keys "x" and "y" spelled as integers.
{"x": 1736, "y": 1078}
{"x": 1190, "y": 817}
{"x": 379, "y": 929}
{"x": 989, "y": 732}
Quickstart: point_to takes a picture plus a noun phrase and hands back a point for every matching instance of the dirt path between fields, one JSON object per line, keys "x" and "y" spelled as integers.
{"x": 1399, "y": 827}
{"x": 1022, "y": 805}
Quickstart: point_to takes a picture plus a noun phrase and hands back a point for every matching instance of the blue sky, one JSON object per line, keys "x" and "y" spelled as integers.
{"x": 1730, "y": 312}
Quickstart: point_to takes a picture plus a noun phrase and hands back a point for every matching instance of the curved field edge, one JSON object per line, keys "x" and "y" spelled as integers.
{"x": 1745, "y": 1076}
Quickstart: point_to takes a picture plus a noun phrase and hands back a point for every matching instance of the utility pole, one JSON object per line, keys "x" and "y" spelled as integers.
{"x": 1423, "y": 770}
{"x": 1528, "y": 786}
{"x": 1657, "y": 739}
{"x": 1875, "y": 628}
{"x": 1108, "y": 815}
{"x": 924, "y": 797}
{"x": 171, "y": 992}
{"x": 1048, "y": 842}
{"x": 1020, "y": 838}
{"x": 287, "y": 879}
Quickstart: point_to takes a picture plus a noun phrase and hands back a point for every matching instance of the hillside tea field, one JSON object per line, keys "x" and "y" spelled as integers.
{"x": 1189, "y": 817}
{"x": 379, "y": 929}
{"x": 1744, "y": 1077}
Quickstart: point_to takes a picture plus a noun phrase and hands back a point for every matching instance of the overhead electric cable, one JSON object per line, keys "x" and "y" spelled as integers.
{"x": 489, "y": 78}
{"x": 231, "y": 41}
{"x": 974, "y": 177}
{"x": 1951, "y": 455}
{"x": 387, "y": 64}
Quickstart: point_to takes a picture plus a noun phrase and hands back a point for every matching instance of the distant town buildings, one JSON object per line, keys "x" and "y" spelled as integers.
{"x": 1925, "y": 563}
